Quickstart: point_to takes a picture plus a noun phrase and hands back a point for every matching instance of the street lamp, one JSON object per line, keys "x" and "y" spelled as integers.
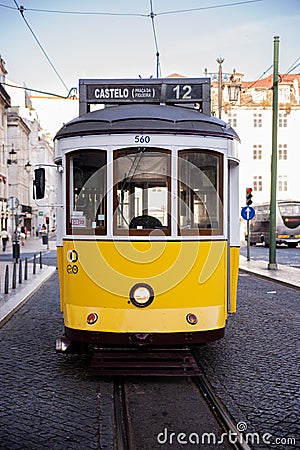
{"x": 13, "y": 155}
{"x": 233, "y": 90}
{"x": 28, "y": 167}
{"x": 220, "y": 62}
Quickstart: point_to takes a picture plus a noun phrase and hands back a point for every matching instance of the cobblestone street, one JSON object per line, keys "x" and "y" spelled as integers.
{"x": 254, "y": 369}
{"x": 47, "y": 400}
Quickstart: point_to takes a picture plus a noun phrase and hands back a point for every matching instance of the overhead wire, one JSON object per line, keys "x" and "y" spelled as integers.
{"x": 293, "y": 66}
{"x": 71, "y": 94}
{"x": 203, "y": 8}
{"x": 21, "y": 9}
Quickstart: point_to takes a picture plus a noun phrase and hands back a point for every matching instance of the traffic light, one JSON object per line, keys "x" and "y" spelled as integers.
{"x": 47, "y": 219}
{"x": 249, "y": 196}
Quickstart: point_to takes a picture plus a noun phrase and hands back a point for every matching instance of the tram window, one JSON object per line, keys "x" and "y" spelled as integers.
{"x": 87, "y": 189}
{"x": 200, "y": 192}
{"x": 141, "y": 192}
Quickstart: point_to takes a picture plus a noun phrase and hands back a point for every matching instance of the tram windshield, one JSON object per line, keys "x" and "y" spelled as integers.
{"x": 200, "y": 192}
{"x": 142, "y": 186}
{"x": 87, "y": 195}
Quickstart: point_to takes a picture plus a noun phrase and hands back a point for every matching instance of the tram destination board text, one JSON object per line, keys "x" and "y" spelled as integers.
{"x": 118, "y": 93}
{"x": 162, "y": 91}
{"x": 156, "y": 91}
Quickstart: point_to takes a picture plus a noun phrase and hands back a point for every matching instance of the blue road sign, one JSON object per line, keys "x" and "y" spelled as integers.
{"x": 248, "y": 212}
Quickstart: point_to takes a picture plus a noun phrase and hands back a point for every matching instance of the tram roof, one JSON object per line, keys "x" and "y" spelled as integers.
{"x": 141, "y": 118}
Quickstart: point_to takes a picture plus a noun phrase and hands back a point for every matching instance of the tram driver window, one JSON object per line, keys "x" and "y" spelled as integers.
{"x": 141, "y": 192}
{"x": 87, "y": 185}
{"x": 200, "y": 192}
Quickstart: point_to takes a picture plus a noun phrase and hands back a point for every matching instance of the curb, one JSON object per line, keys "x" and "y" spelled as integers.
{"x": 20, "y": 298}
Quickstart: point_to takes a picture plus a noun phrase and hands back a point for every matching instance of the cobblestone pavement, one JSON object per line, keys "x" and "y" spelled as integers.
{"x": 47, "y": 401}
{"x": 255, "y": 369}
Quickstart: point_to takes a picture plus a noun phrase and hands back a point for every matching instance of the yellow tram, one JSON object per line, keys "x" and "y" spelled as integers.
{"x": 148, "y": 235}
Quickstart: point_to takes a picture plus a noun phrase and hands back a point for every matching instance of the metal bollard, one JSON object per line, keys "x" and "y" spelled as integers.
{"x": 6, "y": 280}
{"x": 41, "y": 264}
{"x": 14, "y": 277}
{"x": 26, "y": 270}
{"x": 20, "y": 271}
{"x": 34, "y": 264}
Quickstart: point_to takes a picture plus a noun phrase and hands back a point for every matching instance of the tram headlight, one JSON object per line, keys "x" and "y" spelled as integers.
{"x": 141, "y": 295}
{"x": 92, "y": 318}
{"x": 192, "y": 319}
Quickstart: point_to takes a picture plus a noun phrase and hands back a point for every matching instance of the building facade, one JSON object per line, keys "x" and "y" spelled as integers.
{"x": 5, "y": 103}
{"x": 251, "y": 116}
{"x": 23, "y": 144}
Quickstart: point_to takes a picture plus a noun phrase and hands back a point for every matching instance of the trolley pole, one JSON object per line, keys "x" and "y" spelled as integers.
{"x": 272, "y": 250}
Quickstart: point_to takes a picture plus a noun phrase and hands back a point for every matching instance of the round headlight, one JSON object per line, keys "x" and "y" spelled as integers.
{"x": 141, "y": 295}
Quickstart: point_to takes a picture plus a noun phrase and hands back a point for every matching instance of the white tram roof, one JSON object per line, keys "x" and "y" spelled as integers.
{"x": 145, "y": 118}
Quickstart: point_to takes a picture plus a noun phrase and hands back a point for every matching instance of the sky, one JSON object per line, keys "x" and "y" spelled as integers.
{"x": 118, "y": 39}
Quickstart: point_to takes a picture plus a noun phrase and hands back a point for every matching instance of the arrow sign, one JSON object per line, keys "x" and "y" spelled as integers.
{"x": 248, "y": 212}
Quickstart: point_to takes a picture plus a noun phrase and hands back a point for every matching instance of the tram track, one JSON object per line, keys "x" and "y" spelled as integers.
{"x": 221, "y": 413}
{"x": 124, "y": 435}
{"x": 150, "y": 411}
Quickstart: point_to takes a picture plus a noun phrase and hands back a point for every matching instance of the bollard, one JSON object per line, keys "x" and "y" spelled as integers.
{"x": 6, "y": 280}
{"x": 34, "y": 264}
{"x": 14, "y": 278}
{"x": 26, "y": 270}
{"x": 20, "y": 271}
{"x": 41, "y": 264}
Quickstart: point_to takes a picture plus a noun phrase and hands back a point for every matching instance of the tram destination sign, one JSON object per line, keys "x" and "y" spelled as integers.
{"x": 156, "y": 91}
{"x": 114, "y": 93}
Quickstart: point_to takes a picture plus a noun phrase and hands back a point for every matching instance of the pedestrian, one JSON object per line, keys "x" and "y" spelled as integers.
{"x": 23, "y": 237}
{"x": 5, "y": 238}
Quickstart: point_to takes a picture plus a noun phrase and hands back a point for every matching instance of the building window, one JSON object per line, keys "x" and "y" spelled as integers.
{"x": 257, "y": 151}
{"x": 282, "y": 120}
{"x": 282, "y": 183}
{"x": 257, "y": 120}
{"x": 232, "y": 120}
{"x": 284, "y": 94}
{"x": 282, "y": 151}
{"x": 257, "y": 183}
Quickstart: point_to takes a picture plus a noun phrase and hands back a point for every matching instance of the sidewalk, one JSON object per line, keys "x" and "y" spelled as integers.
{"x": 16, "y": 297}
{"x": 289, "y": 276}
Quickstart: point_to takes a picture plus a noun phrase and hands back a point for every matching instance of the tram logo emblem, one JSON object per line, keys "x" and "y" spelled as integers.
{"x": 72, "y": 256}
{"x": 72, "y": 269}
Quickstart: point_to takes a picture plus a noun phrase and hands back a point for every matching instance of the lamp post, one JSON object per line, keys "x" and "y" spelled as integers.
{"x": 272, "y": 249}
{"x": 220, "y": 62}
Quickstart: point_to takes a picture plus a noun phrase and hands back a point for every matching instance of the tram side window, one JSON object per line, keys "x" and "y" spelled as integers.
{"x": 141, "y": 192}
{"x": 87, "y": 189}
{"x": 200, "y": 192}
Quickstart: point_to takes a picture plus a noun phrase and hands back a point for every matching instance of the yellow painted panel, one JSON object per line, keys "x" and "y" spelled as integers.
{"x": 60, "y": 265}
{"x": 185, "y": 276}
{"x": 234, "y": 272}
{"x": 145, "y": 320}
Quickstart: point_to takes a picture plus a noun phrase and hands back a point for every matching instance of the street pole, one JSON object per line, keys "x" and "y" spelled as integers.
{"x": 272, "y": 250}
{"x": 248, "y": 240}
{"x": 220, "y": 62}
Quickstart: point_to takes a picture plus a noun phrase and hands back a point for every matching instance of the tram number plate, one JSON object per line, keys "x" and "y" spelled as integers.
{"x": 184, "y": 92}
{"x": 141, "y": 139}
